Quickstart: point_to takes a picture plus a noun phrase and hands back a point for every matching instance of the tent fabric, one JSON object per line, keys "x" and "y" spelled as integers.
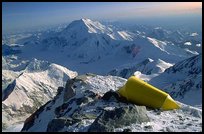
{"x": 141, "y": 93}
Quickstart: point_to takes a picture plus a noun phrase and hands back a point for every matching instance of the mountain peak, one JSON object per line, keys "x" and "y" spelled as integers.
{"x": 37, "y": 65}
{"x": 87, "y": 25}
{"x": 86, "y": 20}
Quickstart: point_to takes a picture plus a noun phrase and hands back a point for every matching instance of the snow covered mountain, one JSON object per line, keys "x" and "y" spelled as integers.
{"x": 159, "y": 33}
{"x": 188, "y": 40}
{"x": 183, "y": 81}
{"x": 89, "y": 46}
{"x": 146, "y": 67}
{"x": 191, "y": 42}
{"x": 88, "y": 103}
{"x": 32, "y": 88}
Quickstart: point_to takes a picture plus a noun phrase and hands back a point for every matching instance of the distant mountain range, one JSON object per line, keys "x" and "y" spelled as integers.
{"x": 36, "y": 73}
{"x": 84, "y": 44}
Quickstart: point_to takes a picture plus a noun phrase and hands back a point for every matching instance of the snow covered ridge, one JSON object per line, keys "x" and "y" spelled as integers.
{"x": 183, "y": 81}
{"x": 33, "y": 87}
{"x": 94, "y": 27}
{"x": 146, "y": 67}
{"x": 89, "y": 103}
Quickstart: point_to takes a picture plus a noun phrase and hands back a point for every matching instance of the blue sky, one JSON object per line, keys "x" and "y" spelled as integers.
{"x": 24, "y": 15}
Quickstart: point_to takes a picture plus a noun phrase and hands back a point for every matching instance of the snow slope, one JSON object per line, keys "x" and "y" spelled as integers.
{"x": 183, "y": 81}
{"x": 35, "y": 86}
{"x": 80, "y": 111}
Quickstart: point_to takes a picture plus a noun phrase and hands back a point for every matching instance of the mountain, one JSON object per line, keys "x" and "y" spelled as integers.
{"x": 159, "y": 33}
{"x": 190, "y": 42}
{"x": 89, "y": 103}
{"x": 183, "y": 81}
{"x": 32, "y": 88}
{"x": 89, "y": 46}
{"x": 146, "y": 67}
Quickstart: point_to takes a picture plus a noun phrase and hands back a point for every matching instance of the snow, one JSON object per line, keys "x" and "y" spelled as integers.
{"x": 185, "y": 119}
{"x": 190, "y": 96}
{"x": 95, "y": 26}
{"x": 84, "y": 126}
{"x": 7, "y": 77}
{"x": 189, "y": 51}
{"x": 158, "y": 28}
{"x": 14, "y": 127}
{"x": 16, "y": 45}
{"x": 168, "y": 48}
{"x": 40, "y": 80}
{"x": 163, "y": 65}
{"x": 145, "y": 70}
{"x": 198, "y": 45}
{"x": 46, "y": 116}
{"x": 144, "y": 77}
{"x": 99, "y": 84}
{"x": 125, "y": 35}
{"x": 194, "y": 34}
{"x": 187, "y": 43}
{"x": 89, "y": 46}
{"x": 182, "y": 78}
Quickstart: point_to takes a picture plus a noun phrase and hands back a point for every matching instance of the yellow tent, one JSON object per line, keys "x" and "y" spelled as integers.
{"x": 142, "y": 93}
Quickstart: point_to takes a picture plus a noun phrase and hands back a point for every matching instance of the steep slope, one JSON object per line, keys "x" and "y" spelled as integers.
{"x": 89, "y": 103}
{"x": 35, "y": 86}
{"x": 183, "y": 80}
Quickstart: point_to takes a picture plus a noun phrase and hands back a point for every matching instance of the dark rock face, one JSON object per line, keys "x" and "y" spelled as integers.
{"x": 56, "y": 124}
{"x": 8, "y": 90}
{"x": 122, "y": 116}
{"x": 69, "y": 91}
{"x": 114, "y": 95}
